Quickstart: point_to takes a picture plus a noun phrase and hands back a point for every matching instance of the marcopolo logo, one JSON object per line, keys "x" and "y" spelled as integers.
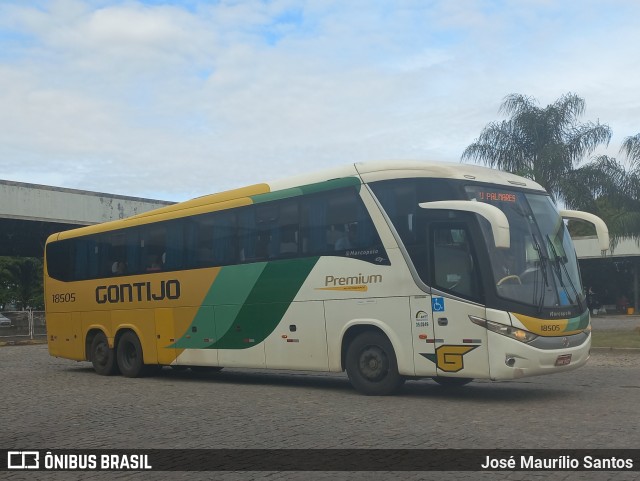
{"x": 138, "y": 292}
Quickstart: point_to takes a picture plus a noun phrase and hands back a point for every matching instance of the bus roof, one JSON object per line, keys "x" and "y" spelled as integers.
{"x": 371, "y": 171}
{"x": 366, "y": 171}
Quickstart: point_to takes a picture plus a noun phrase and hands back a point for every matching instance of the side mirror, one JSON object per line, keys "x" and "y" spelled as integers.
{"x": 497, "y": 219}
{"x": 601, "y": 228}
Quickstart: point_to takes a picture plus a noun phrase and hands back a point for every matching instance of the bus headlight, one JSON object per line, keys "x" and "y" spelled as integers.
{"x": 509, "y": 331}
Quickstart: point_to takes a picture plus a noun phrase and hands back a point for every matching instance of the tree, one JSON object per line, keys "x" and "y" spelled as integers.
{"x": 631, "y": 147}
{"x": 540, "y": 144}
{"x": 7, "y": 288}
{"x": 608, "y": 189}
{"x": 21, "y": 282}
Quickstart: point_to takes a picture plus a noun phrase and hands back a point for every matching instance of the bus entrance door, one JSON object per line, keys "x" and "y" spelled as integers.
{"x": 460, "y": 345}
{"x": 422, "y": 335}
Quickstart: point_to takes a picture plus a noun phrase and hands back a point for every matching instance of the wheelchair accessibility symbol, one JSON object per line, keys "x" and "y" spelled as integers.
{"x": 437, "y": 304}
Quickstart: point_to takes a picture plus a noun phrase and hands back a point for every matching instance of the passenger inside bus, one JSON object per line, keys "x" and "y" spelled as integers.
{"x": 118, "y": 268}
{"x": 348, "y": 239}
{"x": 155, "y": 264}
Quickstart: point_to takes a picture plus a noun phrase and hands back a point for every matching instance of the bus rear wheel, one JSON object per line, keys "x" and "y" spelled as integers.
{"x": 129, "y": 356}
{"x": 372, "y": 366}
{"x": 103, "y": 357}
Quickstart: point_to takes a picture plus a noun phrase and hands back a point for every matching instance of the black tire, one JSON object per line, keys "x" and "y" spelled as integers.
{"x": 103, "y": 357}
{"x": 372, "y": 366}
{"x": 129, "y": 355}
{"x": 452, "y": 381}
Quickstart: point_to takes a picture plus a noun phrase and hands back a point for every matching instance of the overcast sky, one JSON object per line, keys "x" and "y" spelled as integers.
{"x": 175, "y": 99}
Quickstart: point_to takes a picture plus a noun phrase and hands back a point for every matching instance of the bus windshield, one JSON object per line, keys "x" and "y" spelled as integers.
{"x": 540, "y": 267}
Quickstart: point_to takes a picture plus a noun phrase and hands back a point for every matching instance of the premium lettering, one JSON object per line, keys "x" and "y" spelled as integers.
{"x": 332, "y": 281}
{"x": 138, "y": 292}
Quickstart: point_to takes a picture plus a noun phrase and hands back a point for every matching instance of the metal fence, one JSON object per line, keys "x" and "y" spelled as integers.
{"x": 23, "y": 324}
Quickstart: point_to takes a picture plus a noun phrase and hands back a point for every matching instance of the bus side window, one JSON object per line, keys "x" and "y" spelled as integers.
{"x": 154, "y": 246}
{"x": 173, "y": 257}
{"x": 286, "y": 233}
{"x": 247, "y": 234}
{"x": 336, "y": 221}
{"x": 133, "y": 250}
{"x": 60, "y": 260}
{"x": 223, "y": 242}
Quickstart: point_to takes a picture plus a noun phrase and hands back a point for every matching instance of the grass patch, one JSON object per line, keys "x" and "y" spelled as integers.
{"x": 616, "y": 338}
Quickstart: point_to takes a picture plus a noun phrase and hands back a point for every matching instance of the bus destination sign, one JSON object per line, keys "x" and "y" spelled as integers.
{"x": 495, "y": 196}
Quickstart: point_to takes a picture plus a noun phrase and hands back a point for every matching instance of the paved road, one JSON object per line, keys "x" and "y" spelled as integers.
{"x": 50, "y": 403}
{"x": 598, "y": 323}
{"x": 608, "y": 322}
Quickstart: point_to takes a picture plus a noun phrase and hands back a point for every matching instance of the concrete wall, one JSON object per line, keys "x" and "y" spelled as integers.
{"x": 587, "y": 248}
{"x": 70, "y": 206}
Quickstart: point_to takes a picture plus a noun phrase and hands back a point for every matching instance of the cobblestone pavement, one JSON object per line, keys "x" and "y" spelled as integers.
{"x": 50, "y": 403}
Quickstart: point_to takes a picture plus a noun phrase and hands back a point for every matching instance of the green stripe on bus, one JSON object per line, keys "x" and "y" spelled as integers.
{"x": 267, "y": 303}
{"x": 307, "y": 189}
{"x": 247, "y": 302}
{"x": 228, "y": 292}
{"x": 578, "y": 323}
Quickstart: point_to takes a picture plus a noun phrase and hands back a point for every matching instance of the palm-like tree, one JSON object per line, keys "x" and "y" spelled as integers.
{"x": 543, "y": 144}
{"x": 608, "y": 189}
{"x": 631, "y": 147}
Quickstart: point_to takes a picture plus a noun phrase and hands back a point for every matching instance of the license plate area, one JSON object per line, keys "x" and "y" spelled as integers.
{"x": 563, "y": 360}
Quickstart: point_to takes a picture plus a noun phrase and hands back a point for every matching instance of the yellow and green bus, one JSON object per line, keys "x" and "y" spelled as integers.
{"x": 389, "y": 270}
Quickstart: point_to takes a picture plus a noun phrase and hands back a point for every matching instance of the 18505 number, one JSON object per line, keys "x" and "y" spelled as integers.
{"x": 550, "y": 327}
{"x": 66, "y": 297}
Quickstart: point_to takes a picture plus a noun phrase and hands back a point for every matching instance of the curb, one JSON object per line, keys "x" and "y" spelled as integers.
{"x": 26, "y": 342}
{"x": 634, "y": 350}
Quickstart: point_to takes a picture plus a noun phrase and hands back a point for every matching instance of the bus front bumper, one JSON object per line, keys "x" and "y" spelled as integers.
{"x": 512, "y": 359}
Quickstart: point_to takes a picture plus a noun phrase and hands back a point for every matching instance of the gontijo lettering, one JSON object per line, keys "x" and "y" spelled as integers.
{"x": 138, "y": 292}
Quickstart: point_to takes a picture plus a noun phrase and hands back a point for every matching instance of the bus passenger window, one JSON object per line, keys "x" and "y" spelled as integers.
{"x": 155, "y": 246}
{"x": 337, "y": 222}
{"x": 289, "y": 241}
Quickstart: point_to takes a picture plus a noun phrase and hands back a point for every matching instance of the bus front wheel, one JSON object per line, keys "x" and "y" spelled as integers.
{"x": 372, "y": 366}
{"x": 103, "y": 357}
{"x": 129, "y": 355}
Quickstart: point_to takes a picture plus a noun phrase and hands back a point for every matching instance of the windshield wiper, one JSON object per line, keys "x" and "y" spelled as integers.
{"x": 558, "y": 265}
{"x": 543, "y": 268}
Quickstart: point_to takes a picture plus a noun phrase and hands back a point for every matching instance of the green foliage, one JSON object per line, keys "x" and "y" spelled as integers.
{"x": 606, "y": 188}
{"x": 21, "y": 282}
{"x": 631, "y": 148}
{"x": 542, "y": 144}
{"x": 7, "y": 294}
{"x": 548, "y": 145}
